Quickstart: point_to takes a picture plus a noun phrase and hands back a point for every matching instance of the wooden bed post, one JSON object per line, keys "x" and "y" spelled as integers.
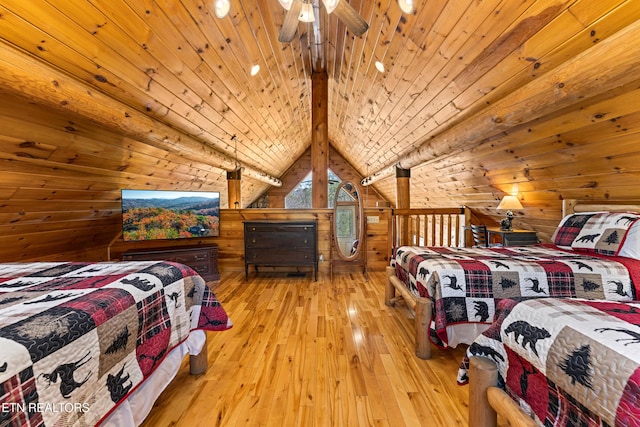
{"x": 420, "y": 306}
{"x": 568, "y": 206}
{"x": 483, "y": 373}
{"x": 390, "y": 290}
{"x": 199, "y": 363}
{"x": 422, "y": 323}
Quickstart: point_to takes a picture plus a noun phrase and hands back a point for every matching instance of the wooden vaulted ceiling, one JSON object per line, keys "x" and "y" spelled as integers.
{"x": 473, "y": 95}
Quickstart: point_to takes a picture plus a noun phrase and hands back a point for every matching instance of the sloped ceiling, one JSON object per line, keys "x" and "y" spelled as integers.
{"x": 449, "y": 64}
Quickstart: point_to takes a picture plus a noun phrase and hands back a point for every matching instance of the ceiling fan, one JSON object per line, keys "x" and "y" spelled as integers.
{"x": 303, "y": 10}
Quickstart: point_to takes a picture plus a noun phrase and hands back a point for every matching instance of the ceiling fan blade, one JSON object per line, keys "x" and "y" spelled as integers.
{"x": 290, "y": 24}
{"x": 354, "y": 22}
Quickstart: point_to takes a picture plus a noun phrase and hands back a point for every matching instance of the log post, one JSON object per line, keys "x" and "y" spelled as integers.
{"x": 403, "y": 201}
{"x": 483, "y": 373}
{"x": 320, "y": 140}
{"x": 390, "y": 290}
{"x": 199, "y": 363}
{"x": 421, "y": 324}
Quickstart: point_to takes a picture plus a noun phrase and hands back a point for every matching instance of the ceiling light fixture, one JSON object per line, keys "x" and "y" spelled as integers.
{"x": 286, "y": 3}
{"x": 407, "y": 6}
{"x": 221, "y": 8}
{"x": 255, "y": 70}
{"x": 380, "y": 66}
{"x": 330, "y": 5}
{"x": 306, "y": 13}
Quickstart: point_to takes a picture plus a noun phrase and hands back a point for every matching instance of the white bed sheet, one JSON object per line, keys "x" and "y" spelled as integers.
{"x": 133, "y": 411}
{"x": 464, "y": 333}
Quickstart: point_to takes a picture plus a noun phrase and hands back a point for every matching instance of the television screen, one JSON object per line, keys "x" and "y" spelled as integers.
{"x": 157, "y": 214}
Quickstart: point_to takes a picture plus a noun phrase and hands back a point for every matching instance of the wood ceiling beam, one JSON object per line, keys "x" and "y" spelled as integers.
{"x": 593, "y": 72}
{"x": 22, "y": 75}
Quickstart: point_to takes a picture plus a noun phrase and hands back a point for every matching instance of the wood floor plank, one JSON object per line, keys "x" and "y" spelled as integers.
{"x": 314, "y": 353}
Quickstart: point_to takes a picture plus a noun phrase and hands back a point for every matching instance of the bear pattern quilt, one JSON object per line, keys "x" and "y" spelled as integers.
{"x": 77, "y": 338}
{"x": 567, "y": 361}
{"x": 464, "y": 284}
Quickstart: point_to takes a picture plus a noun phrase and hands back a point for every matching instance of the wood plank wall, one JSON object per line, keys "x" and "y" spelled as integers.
{"x": 60, "y": 182}
{"x": 231, "y": 240}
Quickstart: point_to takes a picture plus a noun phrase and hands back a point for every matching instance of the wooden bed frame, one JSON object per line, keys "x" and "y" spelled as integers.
{"x": 199, "y": 363}
{"x": 486, "y": 400}
{"x": 422, "y": 307}
{"x": 435, "y": 227}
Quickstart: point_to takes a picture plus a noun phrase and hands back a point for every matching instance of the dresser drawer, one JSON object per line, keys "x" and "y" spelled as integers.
{"x": 283, "y": 239}
{"x": 203, "y": 269}
{"x": 276, "y": 257}
{"x": 520, "y": 239}
{"x": 192, "y": 257}
{"x": 280, "y": 228}
{"x": 202, "y": 259}
{"x": 280, "y": 243}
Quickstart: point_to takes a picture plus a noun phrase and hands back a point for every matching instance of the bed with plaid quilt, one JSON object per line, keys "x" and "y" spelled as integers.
{"x": 567, "y": 361}
{"x": 465, "y": 284}
{"x": 77, "y": 338}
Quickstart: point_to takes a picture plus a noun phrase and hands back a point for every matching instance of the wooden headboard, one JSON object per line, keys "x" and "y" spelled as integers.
{"x": 570, "y": 206}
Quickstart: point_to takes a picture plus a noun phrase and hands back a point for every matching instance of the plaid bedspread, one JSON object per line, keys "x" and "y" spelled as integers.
{"x": 465, "y": 284}
{"x": 568, "y": 362}
{"x": 77, "y": 338}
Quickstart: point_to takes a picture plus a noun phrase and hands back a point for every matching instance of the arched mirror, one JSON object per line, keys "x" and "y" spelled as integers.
{"x": 347, "y": 217}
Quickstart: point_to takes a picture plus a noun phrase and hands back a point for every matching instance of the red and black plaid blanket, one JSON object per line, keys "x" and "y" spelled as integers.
{"x": 77, "y": 338}
{"x": 567, "y": 361}
{"x": 465, "y": 284}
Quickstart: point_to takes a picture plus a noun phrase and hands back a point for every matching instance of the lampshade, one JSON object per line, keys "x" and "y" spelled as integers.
{"x": 330, "y": 5}
{"x": 221, "y": 8}
{"x": 306, "y": 13}
{"x": 286, "y": 3}
{"x": 509, "y": 203}
{"x": 406, "y": 6}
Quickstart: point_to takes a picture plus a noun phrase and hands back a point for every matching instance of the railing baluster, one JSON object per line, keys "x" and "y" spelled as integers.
{"x": 428, "y": 227}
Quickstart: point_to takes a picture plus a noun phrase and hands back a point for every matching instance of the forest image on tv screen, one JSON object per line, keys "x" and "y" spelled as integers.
{"x": 153, "y": 215}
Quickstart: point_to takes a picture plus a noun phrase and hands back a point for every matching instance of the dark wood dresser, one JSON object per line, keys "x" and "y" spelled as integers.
{"x": 281, "y": 243}
{"x": 203, "y": 259}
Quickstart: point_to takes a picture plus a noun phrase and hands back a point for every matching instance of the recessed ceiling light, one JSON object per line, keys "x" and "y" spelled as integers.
{"x": 221, "y": 8}
{"x": 407, "y": 6}
{"x": 380, "y": 66}
{"x": 255, "y": 69}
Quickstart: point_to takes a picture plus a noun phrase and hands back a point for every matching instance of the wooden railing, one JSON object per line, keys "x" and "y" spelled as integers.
{"x": 429, "y": 227}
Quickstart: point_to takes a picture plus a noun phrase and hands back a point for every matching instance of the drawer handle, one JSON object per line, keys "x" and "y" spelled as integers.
{"x": 306, "y": 241}
{"x": 253, "y": 229}
{"x": 200, "y": 257}
{"x": 253, "y": 241}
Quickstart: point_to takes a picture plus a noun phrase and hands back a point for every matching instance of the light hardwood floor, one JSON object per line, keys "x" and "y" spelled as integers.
{"x": 305, "y": 353}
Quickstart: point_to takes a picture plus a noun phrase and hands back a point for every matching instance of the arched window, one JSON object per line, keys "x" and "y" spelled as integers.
{"x": 300, "y": 196}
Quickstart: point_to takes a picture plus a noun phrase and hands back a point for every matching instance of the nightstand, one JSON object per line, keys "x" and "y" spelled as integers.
{"x": 513, "y": 237}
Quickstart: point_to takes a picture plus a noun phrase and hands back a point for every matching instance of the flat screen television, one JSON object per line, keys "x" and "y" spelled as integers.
{"x": 162, "y": 215}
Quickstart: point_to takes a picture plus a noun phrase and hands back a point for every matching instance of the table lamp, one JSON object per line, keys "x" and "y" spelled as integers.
{"x": 509, "y": 204}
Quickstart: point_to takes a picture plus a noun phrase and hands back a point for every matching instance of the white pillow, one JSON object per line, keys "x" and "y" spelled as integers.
{"x": 631, "y": 245}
